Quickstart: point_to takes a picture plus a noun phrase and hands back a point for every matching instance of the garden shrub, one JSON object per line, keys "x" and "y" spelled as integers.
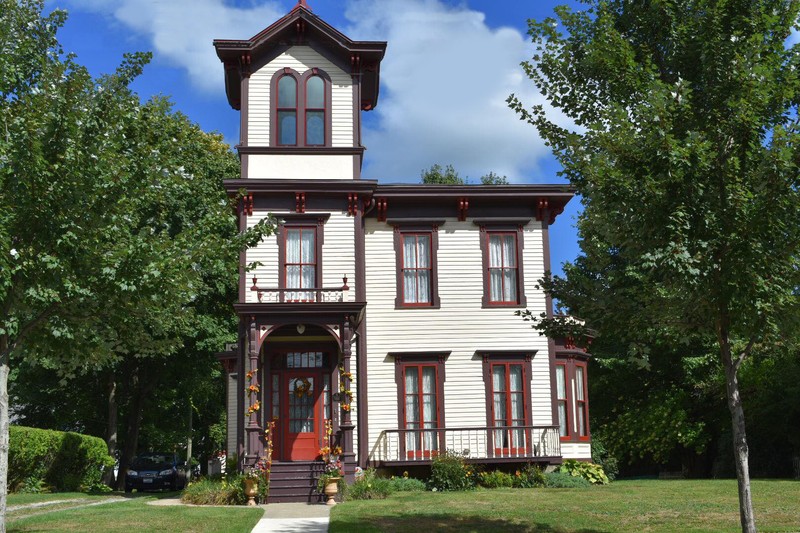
{"x": 562, "y": 480}
{"x": 496, "y": 480}
{"x": 406, "y": 484}
{"x": 531, "y": 476}
{"x": 205, "y": 491}
{"x": 602, "y": 457}
{"x": 449, "y": 471}
{"x": 369, "y": 487}
{"x": 41, "y": 459}
{"x": 589, "y": 471}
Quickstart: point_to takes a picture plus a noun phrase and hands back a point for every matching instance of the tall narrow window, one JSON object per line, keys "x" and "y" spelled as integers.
{"x": 315, "y": 111}
{"x": 416, "y": 269}
{"x": 561, "y": 398}
{"x": 301, "y": 263}
{"x": 503, "y": 268}
{"x": 287, "y": 111}
{"x": 580, "y": 402}
{"x": 508, "y": 406}
{"x": 421, "y": 412}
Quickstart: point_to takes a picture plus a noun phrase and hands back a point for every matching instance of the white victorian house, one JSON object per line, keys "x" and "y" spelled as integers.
{"x": 381, "y": 314}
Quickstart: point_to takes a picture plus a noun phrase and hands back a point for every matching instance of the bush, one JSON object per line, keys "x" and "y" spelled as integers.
{"x": 496, "y": 480}
{"x": 449, "y": 471}
{"x": 562, "y": 480}
{"x": 207, "y": 491}
{"x": 369, "y": 487}
{"x": 602, "y": 457}
{"x": 589, "y": 471}
{"x": 41, "y": 459}
{"x": 406, "y": 484}
{"x": 529, "y": 477}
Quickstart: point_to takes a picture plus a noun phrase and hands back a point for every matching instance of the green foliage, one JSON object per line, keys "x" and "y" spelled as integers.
{"x": 449, "y": 472}
{"x": 589, "y": 471}
{"x": 369, "y": 487}
{"x": 562, "y": 480}
{"x": 493, "y": 179}
{"x": 436, "y": 175}
{"x": 601, "y": 456}
{"x": 406, "y": 484}
{"x": 40, "y": 459}
{"x": 496, "y": 479}
{"x": 531, "y": 476}
{"x": 204, "y": 491}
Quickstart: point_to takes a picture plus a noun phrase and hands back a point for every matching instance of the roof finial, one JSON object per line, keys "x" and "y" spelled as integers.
{"x": 302, "y": 3}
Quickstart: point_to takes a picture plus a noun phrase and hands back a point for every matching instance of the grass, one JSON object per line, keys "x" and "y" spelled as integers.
{"x": 22, "y": 499}
{"x": 647, "y": 505}
{"x": 135, "y": 514}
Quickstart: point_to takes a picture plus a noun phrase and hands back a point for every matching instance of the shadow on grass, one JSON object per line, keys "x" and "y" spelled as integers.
{"x": 443, "y": 522}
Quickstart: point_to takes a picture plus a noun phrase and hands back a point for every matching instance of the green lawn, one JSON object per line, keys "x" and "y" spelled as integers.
{"x": 650, "y": 505}
{"x": 135, "y": 515}
{"x": 22, "y": 499}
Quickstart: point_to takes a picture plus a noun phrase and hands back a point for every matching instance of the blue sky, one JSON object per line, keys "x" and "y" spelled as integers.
{"x": 449, "y": 66}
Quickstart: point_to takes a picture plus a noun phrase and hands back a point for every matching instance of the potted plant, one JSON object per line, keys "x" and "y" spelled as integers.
{"x": 328, "y": 482}
{"x": 254, "y": 474}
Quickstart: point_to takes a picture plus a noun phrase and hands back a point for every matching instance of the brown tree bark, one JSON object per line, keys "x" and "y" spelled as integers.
{"x": 141, "y": 387}
{"x": 111, "y": 426}
{"x": 740, "y": 449}
{"x": 4, "y": 423}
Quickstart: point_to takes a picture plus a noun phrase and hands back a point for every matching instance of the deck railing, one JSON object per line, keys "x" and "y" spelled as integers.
{"x": 299, "y": 295}
{"x": 474, "y": 443}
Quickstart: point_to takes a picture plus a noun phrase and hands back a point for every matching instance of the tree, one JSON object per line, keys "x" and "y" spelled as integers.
{"x": 685, "y": 153}
{"x": 493, "y": 179}
{"x": 113, "y": 224}
{"x": 436, "y": 175}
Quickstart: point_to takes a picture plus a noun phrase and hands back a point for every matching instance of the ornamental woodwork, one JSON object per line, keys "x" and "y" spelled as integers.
{"x": 352, "y": 204}
{"x": 300, "y": 202}
{"x": 542, "y": 209}
{"x": 247, "y": 205}
{"x": 463, "y": 207}
{"x": 244, "y": 65}
{"x": 382, "y": 208}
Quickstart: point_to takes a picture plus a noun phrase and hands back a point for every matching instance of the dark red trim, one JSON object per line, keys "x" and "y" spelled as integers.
{"x": 274, "y": 130}
{"x": 416, "y": 227}
{"x": 565, "y": 400}
{"x": 315, "y": 223}
{"x": 571, "y": 362}
{"x": 300, "y": 109}
{"x": 500, "y": 357}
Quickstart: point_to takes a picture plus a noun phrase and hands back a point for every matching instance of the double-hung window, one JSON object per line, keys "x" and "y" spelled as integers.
{"x": 572, "y": 401}
{"x": 300, "y": 108}
{"x": 420, "y": 395}
{"x": 561, "y": 400}
{"x": 502, "y": 245}
{"x": 416, "y": 244}
{"x": 507, "y": 377}
{"x": 300, "y": 256}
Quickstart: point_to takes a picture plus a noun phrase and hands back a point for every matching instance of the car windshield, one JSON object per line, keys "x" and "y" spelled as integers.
{"x": 152, "y": 461}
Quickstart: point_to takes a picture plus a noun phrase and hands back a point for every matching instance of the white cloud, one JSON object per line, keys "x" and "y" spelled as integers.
{"x": 181, "y": 31}
{"x": 444, "y": 83}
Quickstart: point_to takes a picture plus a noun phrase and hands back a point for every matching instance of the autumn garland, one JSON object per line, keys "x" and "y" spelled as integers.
{"x": 347, "y": 394}
{"x": 253, "y": 388}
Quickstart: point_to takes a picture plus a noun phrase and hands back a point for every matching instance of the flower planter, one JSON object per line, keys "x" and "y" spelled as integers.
{"x": 331, "y": 490}
{"x": 250, "y": 490}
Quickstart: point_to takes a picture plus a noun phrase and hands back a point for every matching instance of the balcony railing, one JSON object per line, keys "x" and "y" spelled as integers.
{"x": 476, "y": 443}
{"x": 299, "y": 295}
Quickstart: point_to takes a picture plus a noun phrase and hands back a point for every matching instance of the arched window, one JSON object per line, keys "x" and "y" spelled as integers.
{"x": 287, "y": 111}
{"x": 315, "y": 111}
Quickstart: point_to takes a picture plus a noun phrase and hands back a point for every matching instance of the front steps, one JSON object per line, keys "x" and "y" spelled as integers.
{"x": 295, "y": 482}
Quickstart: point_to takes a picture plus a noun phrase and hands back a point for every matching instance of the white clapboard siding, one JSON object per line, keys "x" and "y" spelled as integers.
{"x": 231, "y": 420}
{"x": 576, "y": 450}
{"x": 300, "y": 167}
{"x": 338, "y": 256}
{"x": 301, "y": 59}
{"x": 461, "y": 326}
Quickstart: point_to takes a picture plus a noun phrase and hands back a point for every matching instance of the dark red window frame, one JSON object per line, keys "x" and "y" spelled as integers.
{"x": 490, "y": 227}
{"x": 324, "y": 109}
{"x": 315, "y": 222}
{"x": 417, "y": 270}
{"x": 571, "y": 364}
{"x": 582, "y": 405}
{"x": 300, "y": 264}
{"x": 564, "y": 401}
{"x": 301, "y": 109}
{"x": 501, "y": 357}
{"x": 404, "y": 360}
{"x": 403, "y": 227}
{"x": 295, "y": 109}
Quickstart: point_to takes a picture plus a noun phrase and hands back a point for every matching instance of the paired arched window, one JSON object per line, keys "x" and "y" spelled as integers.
{"x": 301, "y": 107}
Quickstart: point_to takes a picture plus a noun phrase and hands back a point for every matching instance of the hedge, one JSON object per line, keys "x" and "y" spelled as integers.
{"x": 60, "y": 461}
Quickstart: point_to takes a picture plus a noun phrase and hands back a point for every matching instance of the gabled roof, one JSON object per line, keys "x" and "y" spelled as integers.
{"x": 298, "y": 27}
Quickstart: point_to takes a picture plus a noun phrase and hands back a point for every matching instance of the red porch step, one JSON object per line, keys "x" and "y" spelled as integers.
{"x": 295, "y": 482}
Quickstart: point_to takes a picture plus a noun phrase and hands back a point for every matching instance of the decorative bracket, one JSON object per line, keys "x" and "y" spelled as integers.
{"x": 542, "y": 208}
{"x": 382, "y": 208}
{"x": 247, "y": 205}
{"x": 352, "y": 204}
{"x": 244, "y": 65}
{"x": 300, "y": 202}
{"x": 463, "y": 207}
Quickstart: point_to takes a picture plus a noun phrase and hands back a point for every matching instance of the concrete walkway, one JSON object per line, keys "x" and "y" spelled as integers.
{"x": 291, "y": 517}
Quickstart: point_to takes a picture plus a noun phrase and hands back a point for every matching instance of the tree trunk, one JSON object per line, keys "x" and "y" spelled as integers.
{"x": 189, "y": 446}
{"x": 4, "y": 368}
{"x": 740, "y": 450}
{"x": 132, "y": 433}
{"x": 111, "y": 428}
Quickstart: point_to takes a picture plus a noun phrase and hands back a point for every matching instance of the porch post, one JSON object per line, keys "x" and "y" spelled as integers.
{"x": 253, "y": 430}
{"x": 346, "y": 426}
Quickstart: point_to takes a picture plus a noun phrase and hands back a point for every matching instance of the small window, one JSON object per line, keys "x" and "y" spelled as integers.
{"x": 315, "y": 111}
{"x": 287, "y": 111}
{"x": 580, "y": 403}
{"x": 572, "y": 400}
{"x": 301, "y": 263}
{"x": 503, "y": 268}
{"x": 561, "y": 399}
{"x": 416, "y": 269}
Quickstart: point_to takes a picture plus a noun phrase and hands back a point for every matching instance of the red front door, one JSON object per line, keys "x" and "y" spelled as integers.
{"x": 302, "y": 415}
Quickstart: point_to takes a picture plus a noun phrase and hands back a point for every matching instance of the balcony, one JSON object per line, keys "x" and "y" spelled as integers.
{"x": 274, "y": 295}
{"x": 477, "y": 444}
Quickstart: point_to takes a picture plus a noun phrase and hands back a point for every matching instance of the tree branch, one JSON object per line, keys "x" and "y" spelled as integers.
{"x": 744, "y": 354}
{"x": 44, "y": 315}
